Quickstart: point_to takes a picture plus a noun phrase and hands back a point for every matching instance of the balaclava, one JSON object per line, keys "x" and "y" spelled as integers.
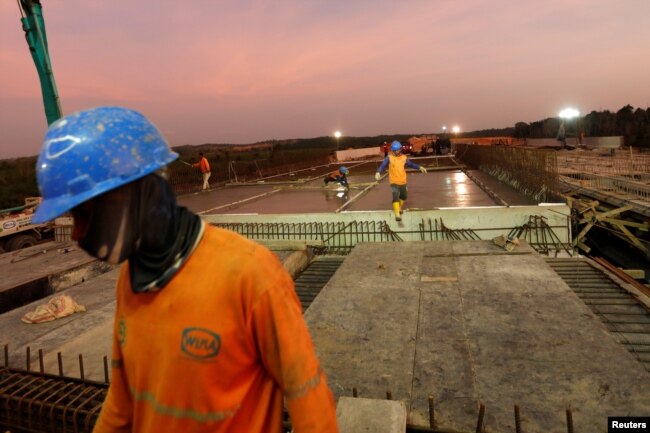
{"x": 141, "y": 222}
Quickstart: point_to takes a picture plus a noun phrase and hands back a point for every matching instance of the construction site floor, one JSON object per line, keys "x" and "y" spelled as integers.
{"x": 88, "y": 333}
{"x": 463, "y": 321}
{"x": 469, "y": 323}
{"x": 305, "y": 192}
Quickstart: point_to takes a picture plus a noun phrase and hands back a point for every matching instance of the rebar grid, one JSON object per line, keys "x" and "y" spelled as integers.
{"x": 336, "y": 237}
{"x": 437, "y": 231}
{"x": 541, "y": 237}
{"x": 37, "y": 402}
{"x": 625, "y": 173}
{"x": 532, "y": 172}
{"x": 341, "y": 237}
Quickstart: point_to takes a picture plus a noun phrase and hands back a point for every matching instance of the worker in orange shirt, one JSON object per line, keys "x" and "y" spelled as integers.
{"x": 204, "y": 166}
{"x": 208, "y": 333}
{"x": 396, "y": 162}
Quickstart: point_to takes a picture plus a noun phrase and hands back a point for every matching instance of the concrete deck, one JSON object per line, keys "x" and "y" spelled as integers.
{"x": 90, "y": 333}
{"x": 467, "y": 323}
{"x": 44, "y": 269}
{"x": 304, "y": 192}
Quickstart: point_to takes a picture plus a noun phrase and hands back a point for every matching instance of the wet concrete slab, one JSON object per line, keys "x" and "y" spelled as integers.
{"x": 508, "y": 194}
{"x": 319, "y": 172}
{"x": 469, "y": 323}
{"x": 432, "y": 190}
{"x": 289, "y": 201}
{"x": 220, "y": 199}
{"x": 308, "y": 194}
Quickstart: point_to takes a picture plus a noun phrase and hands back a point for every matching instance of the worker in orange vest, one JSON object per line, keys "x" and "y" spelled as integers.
{"x": 208, "y": 333}
{"x": 340, "y": 176}
{"x": 204, "y": 166}
{"x": 396, "y": 162}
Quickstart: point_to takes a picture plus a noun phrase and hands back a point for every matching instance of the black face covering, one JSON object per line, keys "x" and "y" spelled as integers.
{"x": 140, "y": 222}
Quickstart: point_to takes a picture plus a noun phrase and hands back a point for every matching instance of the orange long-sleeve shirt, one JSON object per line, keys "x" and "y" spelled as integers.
{"x": 216, "y": 349}
{"x": 203, "y": 165}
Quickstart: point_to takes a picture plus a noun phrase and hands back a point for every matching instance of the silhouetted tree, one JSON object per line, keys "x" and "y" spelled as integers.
{"x": 522, "y": 129}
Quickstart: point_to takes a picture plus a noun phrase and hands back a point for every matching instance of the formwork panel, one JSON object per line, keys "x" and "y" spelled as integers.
{"x": 491, "y": 327}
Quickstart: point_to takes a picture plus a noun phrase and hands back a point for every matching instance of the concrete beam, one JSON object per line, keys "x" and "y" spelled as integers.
{"x": 358, "y": 415}
{"x": 487, "y": 222}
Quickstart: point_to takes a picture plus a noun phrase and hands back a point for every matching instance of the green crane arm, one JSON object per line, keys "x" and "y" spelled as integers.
{"x": 34, "y": 27}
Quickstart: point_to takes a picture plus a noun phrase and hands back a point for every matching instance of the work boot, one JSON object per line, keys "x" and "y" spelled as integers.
{"x": 401, "y": 207}
{"x": 396, "y": 211}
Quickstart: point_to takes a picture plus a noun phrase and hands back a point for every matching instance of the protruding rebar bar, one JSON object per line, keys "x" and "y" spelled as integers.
{"x": 479, "y": 422}
{"x": 517, "y": 420}
{"x": 432, "y": 414}
{"x": 389, "y": 395}
{"x": 60, "y": 361}
{"x": 106, "y": 380}
{"x": 355, "y": 394}
{"x": 28, "y": 359}
{"x": 569, "y": 420}
{"x": 81, "y": 367}
{"x": 7, "y": 355}
{"x": 41, "y": 365}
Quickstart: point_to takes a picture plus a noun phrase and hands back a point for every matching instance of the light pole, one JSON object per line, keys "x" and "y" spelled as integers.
{"x": 567, "y": 114}
{"x": 337, "y": 135}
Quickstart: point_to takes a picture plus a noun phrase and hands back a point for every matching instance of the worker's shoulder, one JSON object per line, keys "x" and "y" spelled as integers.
{"x": 241, "y": 260}
{"x": 235, "y": 246}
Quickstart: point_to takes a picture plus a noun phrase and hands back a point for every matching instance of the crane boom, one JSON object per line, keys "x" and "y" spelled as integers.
{"x": 34, "y": 28}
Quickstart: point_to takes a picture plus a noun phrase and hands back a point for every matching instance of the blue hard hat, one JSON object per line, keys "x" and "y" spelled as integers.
{"x": 396, "y": 146}
{"x": 343, "y": 169}
{"x": 91, "y": 152}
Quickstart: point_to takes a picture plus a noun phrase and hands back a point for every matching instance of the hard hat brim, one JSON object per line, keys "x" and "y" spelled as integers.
{"x": 54, "y": 207}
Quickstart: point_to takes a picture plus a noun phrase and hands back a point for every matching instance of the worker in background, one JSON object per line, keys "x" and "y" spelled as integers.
{"x": 204, "y": 166}
{"x": 340, "y": 176}
{"x": 208, "y": 333}
{"x": 396, "y": 162}
{"x": 561, "y": 135}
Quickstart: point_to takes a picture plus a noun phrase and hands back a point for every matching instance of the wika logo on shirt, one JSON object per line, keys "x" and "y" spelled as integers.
{"x": 200, "y": 343}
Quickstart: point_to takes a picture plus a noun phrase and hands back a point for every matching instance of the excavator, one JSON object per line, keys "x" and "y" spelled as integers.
{"x": 16, "y": 228}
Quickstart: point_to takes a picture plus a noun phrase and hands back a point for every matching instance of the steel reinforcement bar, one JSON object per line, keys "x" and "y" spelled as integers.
{"x": 33, "y": 402}
{"x": 532, "y": 172}
{"x": 339, "y": 237}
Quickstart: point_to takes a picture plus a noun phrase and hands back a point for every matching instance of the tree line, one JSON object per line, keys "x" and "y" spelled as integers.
{"x": 18, "y": 180}
{"x": 633, "y": 124}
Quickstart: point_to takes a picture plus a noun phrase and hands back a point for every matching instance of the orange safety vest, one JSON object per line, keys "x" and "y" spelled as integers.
{"x": 216, "y": 350}
{"x": 396, "y": 170}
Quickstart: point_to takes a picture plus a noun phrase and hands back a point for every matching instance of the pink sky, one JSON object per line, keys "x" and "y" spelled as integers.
{"x": 248, "y": 70}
